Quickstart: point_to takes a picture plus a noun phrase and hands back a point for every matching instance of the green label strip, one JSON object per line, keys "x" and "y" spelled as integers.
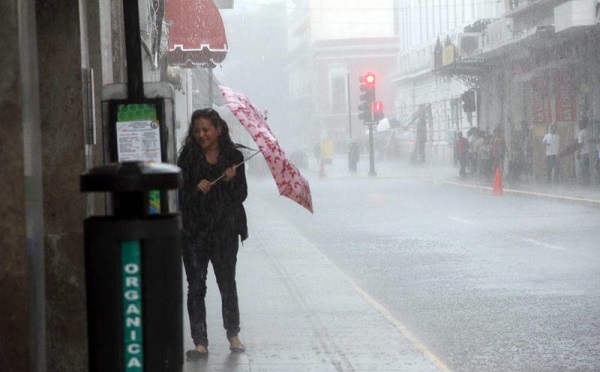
{"x": 131, "y": 270}
{"x": 136, "y": 112}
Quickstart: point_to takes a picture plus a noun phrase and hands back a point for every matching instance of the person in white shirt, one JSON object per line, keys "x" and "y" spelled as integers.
{"x": 552, "y": 142}
{"x": 598, "y": 158}
{"x": 583, "y": 146}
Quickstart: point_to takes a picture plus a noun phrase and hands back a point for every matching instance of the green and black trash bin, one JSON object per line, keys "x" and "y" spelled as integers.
{"x": 133, "y": 272}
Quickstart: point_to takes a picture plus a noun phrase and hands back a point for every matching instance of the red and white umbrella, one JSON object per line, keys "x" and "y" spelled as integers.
{"x": 289, "y": 181}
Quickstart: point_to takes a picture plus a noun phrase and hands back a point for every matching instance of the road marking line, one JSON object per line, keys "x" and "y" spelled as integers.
{"x": 462, "y": 220}
{"x": 420, "y": 346}
{"x": 542, "y": 244}
{"x": 402, "y": 328}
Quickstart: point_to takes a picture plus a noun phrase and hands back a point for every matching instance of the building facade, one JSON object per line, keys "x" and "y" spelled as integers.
{"x": 427, "y": 102}
{"x": 331, "y": 44}
{"x": 535, "y": 66}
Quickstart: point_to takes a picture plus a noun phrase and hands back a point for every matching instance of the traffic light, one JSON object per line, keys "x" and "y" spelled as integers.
{"x": 377, "y": 108}
{"x": 365, "y": 112}
{"x": 468, "y": 100}
{"x": 367, "y": 97}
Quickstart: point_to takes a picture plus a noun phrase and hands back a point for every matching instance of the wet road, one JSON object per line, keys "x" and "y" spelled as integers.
{"x": 488, "y": 283}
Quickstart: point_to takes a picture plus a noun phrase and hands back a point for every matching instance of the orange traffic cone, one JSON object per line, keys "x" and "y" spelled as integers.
{"x": 498, "y": 182}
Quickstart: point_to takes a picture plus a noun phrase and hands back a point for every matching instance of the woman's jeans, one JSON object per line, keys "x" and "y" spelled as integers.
{"x": 221, "y": 250}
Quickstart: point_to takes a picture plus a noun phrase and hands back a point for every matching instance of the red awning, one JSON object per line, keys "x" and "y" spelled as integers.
{"x": 196, "y": 33}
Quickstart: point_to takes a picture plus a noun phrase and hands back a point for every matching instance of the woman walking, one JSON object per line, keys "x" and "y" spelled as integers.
{"x": 214, "y": 221}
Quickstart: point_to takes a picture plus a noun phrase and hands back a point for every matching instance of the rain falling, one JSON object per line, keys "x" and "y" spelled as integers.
{"x": 301, "y": 185}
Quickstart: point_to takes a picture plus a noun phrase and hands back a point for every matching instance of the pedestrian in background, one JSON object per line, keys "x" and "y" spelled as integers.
{"x": 214, "y": 220}
{"x": 462, "y": 149}
{"x": 498, "y": 150}
{"x": 551, "y": 141}
{"x": 527, "y": 148}
{"x": 471, "y": 138}
{"x": 598, "y": 158}
{"x": 482, "y": 152}
{"x": 583, "y": 148}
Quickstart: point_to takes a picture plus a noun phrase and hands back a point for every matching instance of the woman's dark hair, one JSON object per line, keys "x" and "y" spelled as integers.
{"x": 225, "y": 143}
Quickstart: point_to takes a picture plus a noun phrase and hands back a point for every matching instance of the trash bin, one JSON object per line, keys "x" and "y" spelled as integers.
{"x": 133, "y": 272}
{"x": 353, "y": 155}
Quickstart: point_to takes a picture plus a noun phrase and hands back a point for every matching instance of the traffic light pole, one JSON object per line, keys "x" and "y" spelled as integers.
{"x": 365, "y": 112}
{"x": 349, "y": 110}
{"x": 371, "y": 151}
{"x": 353, "y": 147}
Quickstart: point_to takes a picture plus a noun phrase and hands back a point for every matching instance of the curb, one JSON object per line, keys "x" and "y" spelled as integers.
{"x": 566, "y": 198}
{"x": 592, "y": 202}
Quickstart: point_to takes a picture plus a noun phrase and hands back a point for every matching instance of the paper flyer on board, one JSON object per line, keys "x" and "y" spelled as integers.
{"x": 138, "y": 140}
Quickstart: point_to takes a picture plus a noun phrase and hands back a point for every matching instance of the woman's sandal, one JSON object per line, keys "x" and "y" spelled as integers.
{"x": 194, "y": 354}
{"x": 236, "y": 345}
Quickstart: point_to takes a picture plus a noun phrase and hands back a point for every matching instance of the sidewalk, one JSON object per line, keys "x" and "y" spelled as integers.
{"x": 299, "y": 312}
{"x": 572, "y": 192}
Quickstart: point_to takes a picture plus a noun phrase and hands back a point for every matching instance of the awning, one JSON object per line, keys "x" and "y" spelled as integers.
{"x": 196, "y": 33}
{"x": 473, "y": 66}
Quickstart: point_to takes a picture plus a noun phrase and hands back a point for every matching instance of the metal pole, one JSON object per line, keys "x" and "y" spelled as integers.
{"x": 349, "y": 107}
{"x": 133, "y": 49}
{"x": 353, "y": 151}
{"x": 210, "y": 86}
{"x": 189, "y": 91}
{"x": 371, "y": 152}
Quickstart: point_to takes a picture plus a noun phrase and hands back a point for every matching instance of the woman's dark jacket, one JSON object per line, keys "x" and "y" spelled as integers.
{"x": 220, "y": 211}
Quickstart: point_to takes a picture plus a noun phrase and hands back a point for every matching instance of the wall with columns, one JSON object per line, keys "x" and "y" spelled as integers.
{"x": 48, "y": 46}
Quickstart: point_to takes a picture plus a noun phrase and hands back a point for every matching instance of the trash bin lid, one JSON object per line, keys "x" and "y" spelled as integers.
{"x": 131, "y": 176}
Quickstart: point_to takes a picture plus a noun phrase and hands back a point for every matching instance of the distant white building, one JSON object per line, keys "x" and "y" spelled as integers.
{"x": 530, "y": 63}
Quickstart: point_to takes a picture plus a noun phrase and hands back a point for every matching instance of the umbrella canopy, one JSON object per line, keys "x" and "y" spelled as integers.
{"x": 290, "y": 182}
{"x": 383, "y": 125}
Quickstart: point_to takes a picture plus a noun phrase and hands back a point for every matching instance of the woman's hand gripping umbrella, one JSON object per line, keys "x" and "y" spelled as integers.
{"x": 235, "y": 166}
{"x": 289, "y": 181}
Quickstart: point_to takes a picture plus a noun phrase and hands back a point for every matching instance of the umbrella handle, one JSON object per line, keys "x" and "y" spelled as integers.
{"x": 237, "y": 165}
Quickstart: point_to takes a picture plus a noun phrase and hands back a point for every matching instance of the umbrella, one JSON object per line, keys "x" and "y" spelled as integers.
{"x": 383, "y": 125}
{"x": 235, "y": 165}
{"x": 289, "y": 181}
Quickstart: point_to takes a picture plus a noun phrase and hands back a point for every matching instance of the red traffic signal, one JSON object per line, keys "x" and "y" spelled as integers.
{"x": 367, "y": 97}
{"x": 368, "y": 79}
{"x": 377, "y": 108}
